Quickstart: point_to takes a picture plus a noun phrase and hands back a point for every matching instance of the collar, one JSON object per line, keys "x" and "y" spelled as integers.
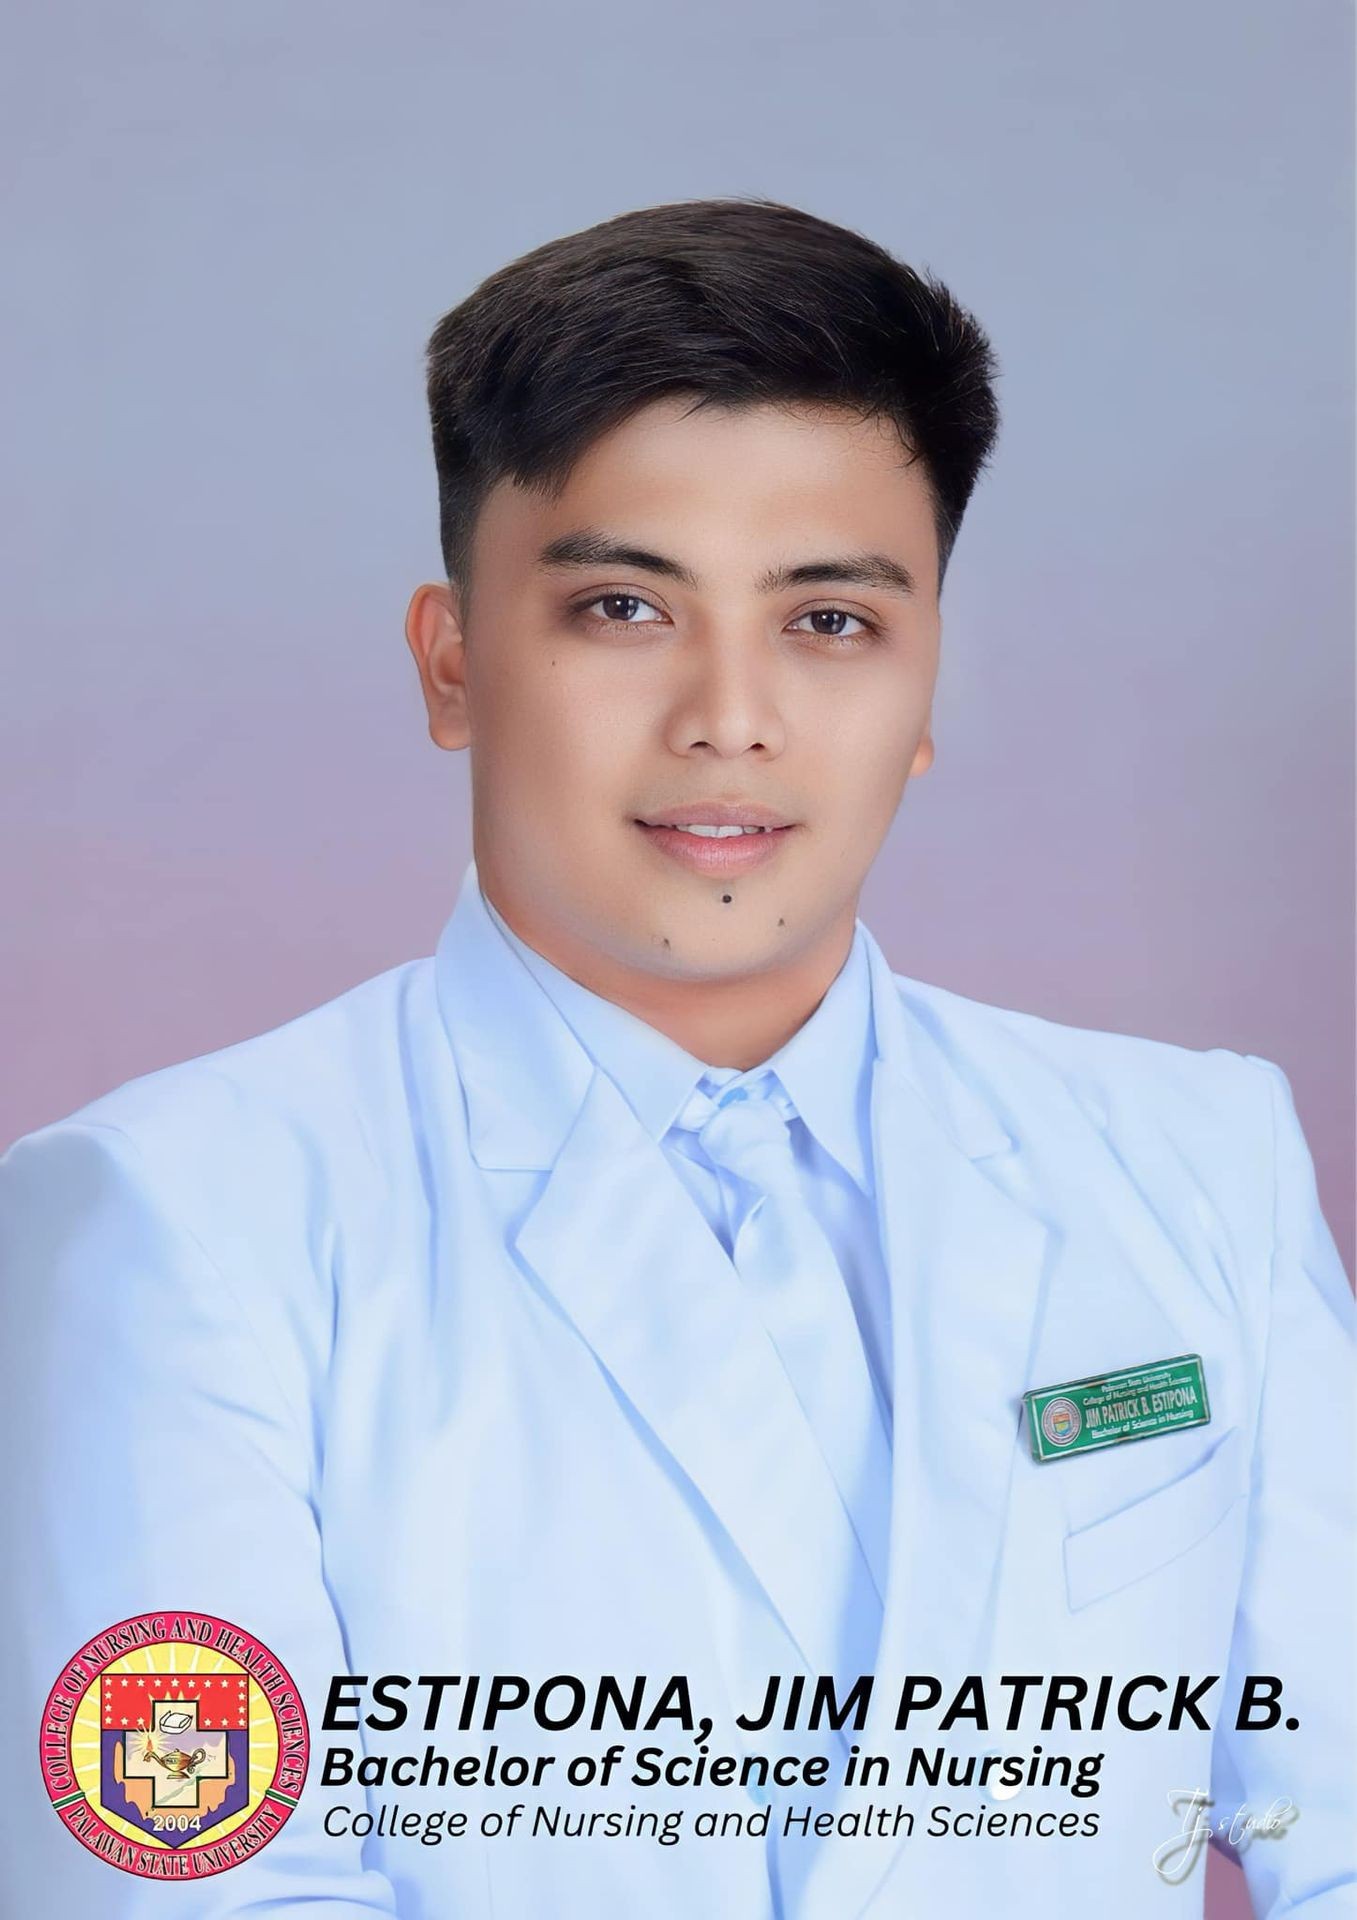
{"x": 652, "y": 1072}
{"x": 825, "y": 1067}
{"x": 525, "y": 1070}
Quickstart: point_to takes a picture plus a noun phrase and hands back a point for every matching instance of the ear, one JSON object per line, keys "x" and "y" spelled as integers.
{"x": 433, "y": 631}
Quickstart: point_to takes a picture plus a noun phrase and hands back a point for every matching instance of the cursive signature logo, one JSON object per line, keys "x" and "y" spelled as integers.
{"x": 1174, "y": 1858}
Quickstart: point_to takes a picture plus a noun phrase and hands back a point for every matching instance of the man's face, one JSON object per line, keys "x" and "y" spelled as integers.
{"x": 712, "y": 620}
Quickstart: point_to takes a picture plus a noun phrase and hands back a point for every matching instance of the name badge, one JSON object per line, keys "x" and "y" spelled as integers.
{"x": 1107, "y": 1408}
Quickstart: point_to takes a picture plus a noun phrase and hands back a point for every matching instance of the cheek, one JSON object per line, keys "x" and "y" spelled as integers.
{"x": 547, "y": 768}
{"x": 862, "y": 750}
{"x": 522, "y": 727}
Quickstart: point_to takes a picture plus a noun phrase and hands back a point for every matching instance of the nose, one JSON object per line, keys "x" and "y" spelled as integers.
{"x": 728, "y": 701}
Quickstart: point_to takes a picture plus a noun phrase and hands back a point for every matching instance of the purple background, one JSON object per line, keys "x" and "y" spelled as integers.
{"x": 229, "y": 232}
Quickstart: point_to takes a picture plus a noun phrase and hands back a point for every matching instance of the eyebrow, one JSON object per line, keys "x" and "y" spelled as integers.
{"x": 590, "y": 548}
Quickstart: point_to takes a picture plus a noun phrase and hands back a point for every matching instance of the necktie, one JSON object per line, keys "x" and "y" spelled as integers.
{"x": 785, "y": 1258}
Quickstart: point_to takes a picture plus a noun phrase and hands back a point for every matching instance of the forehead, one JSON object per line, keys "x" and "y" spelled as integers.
{"x": 729, "y": 480}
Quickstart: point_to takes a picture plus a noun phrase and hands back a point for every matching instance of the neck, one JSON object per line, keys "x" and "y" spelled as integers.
{"x": 736, "y": 1022}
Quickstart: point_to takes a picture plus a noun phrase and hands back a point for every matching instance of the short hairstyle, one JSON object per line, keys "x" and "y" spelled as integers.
{"x": 739, "y": 301}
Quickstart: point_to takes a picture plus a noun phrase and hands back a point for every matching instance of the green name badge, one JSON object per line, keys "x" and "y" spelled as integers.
{"x": 1107, "y": 1408}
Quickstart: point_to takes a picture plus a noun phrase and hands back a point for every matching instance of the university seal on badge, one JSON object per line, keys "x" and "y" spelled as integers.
{"x": 174, "y": 1745}
{"x": 1060, "y": 1422}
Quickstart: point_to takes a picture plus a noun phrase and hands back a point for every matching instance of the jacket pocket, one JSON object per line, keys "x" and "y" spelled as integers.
{"x": 1111, "y": 1552}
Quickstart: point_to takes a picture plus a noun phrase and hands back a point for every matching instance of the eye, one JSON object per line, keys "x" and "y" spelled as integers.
{"x": 832, "y": 623}
{"x": 620, "y": 609}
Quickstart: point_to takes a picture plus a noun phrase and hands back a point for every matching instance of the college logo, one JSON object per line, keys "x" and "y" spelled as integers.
{"x": 1061, "y": 1421}
{"x": 174, "y": 1745}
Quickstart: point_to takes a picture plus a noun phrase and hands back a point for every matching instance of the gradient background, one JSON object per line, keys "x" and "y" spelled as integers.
{"x": 230, "y": 231}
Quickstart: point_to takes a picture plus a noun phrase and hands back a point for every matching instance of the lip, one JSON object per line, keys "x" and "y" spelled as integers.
{"x": 717, "y": 858}
{"x": 715, "y": 813}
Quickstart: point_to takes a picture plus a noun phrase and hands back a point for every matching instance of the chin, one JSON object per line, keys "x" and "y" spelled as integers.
{"x": 717, "y": 959}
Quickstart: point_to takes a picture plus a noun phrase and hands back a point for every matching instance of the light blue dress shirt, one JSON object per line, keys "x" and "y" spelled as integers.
{"x": 825, "y": 1070}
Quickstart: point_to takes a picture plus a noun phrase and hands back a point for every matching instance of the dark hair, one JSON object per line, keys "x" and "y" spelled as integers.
{"x": 738, "y": 301}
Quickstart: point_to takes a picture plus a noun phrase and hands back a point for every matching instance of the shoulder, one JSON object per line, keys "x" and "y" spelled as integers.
{"x": 1209, "y": 1105}
{"x": 220, "y": 1201}
{"x": 1199, "y": 1144}
{"x": 277, "y": 1121}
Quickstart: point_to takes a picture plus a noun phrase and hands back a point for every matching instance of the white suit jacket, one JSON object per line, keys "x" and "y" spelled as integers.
{"x": 270, "y": 1352}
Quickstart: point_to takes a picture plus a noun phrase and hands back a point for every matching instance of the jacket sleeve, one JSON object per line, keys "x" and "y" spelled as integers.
{"x": 152, "y": 1465}
{"x": 1298, "y": 1594}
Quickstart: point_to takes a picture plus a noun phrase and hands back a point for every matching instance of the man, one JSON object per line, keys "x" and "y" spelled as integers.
{"x": 649, "y": 1284}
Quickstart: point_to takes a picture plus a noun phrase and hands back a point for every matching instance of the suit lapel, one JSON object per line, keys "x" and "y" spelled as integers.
{"x": 618, "y": 1242}
{"x": 965, "y": 1261}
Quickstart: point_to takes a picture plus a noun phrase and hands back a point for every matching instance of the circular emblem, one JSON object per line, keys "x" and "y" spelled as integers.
{"x": 174, "y": 1745}
{"x": 1061, "y": 1422}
